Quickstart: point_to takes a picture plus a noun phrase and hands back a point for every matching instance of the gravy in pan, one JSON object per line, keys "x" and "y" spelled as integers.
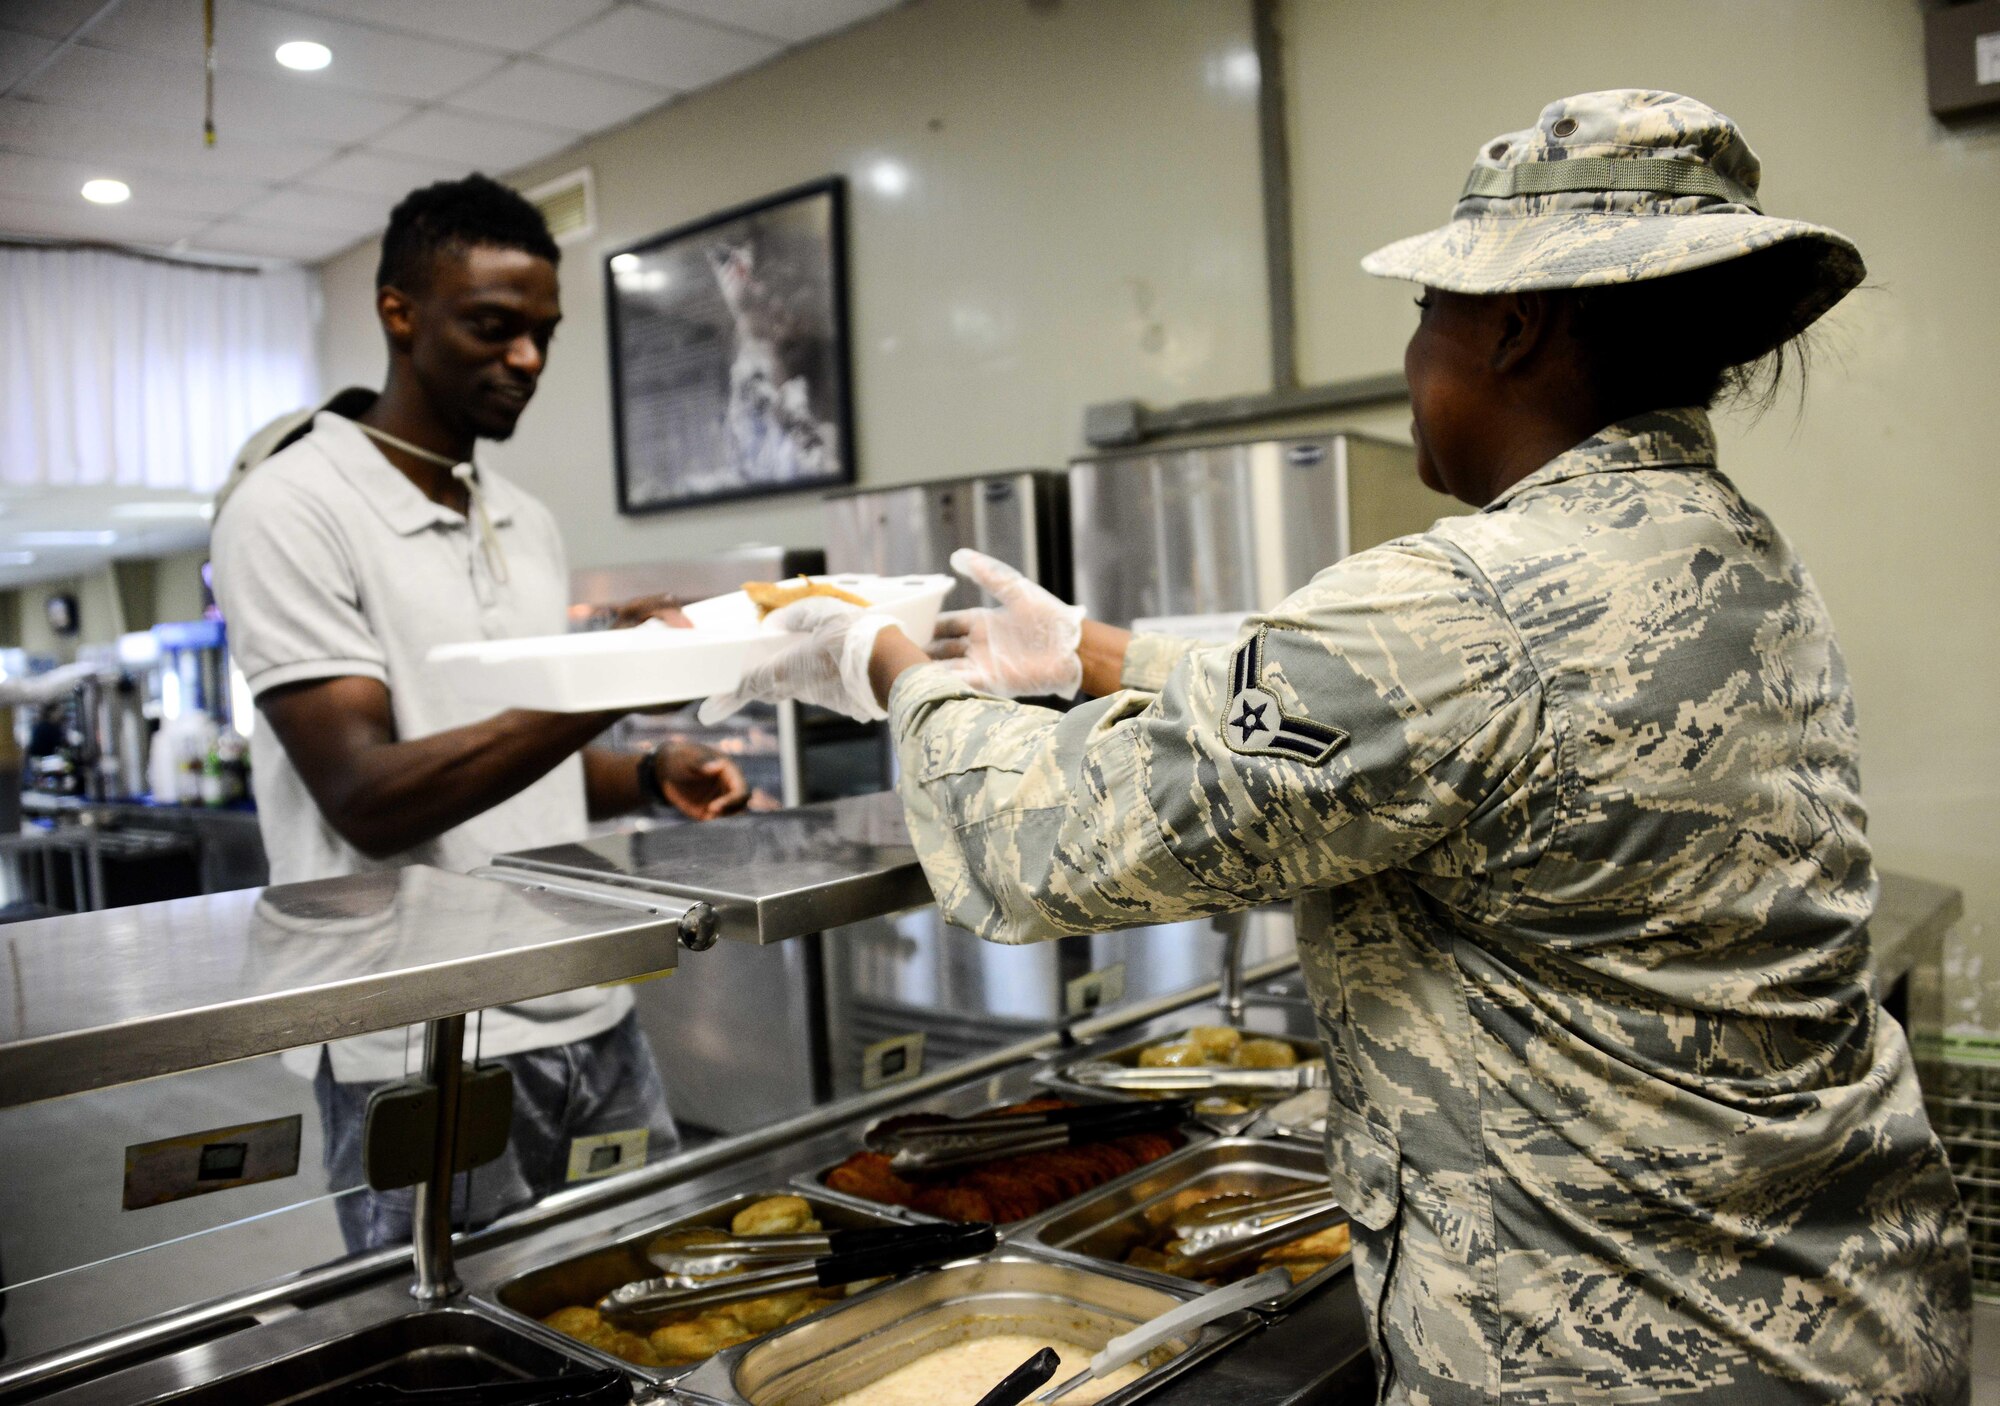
{"x": 962, "y": 1373}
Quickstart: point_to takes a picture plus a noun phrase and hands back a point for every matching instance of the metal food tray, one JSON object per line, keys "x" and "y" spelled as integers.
{"x": 587, "y": 1277}
{"x": 1100, "y": 1228}
{"x": 1127, "y": 1053}
{"x": 856, "y": 1343}
{"x": 813, "y": 1183}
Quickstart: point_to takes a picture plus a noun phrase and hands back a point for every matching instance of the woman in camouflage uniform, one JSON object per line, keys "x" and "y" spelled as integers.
{"x": 1566, "y": 795}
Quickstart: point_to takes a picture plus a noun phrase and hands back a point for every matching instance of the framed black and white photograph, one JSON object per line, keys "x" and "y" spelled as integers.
{"x": 729, "y": 358}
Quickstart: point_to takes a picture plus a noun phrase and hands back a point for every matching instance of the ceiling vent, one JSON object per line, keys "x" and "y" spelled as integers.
{"x": 569, "y": 204}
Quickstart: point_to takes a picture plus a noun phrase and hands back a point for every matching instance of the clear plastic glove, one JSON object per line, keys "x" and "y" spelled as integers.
{"x": 1025, "y": 647}
{"x": 829, "y": 668}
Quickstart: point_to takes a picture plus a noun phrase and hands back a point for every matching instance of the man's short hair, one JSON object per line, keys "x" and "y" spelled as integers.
{"x": 453, "y": 216}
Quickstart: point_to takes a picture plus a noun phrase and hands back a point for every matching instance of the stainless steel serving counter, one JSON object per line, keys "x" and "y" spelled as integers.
{"x": 1318, "y": 1347}
{"x": 1316, "y": 1352}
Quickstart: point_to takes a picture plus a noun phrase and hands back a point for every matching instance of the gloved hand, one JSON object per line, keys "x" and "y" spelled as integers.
{"x": 1023, "y": 648}
{"x": 829, "y": 668}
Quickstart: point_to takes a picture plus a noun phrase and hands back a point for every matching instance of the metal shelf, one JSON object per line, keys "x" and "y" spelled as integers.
{"x": 769, "y": 877}
{"x": 131, "y": 993}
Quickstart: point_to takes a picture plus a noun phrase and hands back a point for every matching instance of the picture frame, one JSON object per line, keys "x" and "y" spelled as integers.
{"x": 731, "y": 376}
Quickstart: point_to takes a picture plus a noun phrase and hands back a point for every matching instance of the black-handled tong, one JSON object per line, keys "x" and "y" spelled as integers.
{"x": 909, "y": 1247}
{"x": 699, "y": 1254}
{"x": 938, "y": 1147}
{"x": 1013, "y": 1388}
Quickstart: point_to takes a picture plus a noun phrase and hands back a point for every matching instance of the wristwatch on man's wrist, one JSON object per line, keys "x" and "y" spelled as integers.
{"x": 649, "y": 777}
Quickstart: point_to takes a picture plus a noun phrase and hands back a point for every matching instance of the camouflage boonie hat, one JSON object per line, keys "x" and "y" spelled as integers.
{"x": 1615, "y": 187}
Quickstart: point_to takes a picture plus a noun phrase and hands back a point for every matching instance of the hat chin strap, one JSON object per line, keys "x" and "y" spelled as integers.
{"x": 1661, "y": 175}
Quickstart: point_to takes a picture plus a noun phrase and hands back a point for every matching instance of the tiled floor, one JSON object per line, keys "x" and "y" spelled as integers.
{"x": 1986, "y": 1354}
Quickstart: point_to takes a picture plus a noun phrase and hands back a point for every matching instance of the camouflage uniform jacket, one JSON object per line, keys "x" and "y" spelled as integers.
{"x": 1565, "y": 793}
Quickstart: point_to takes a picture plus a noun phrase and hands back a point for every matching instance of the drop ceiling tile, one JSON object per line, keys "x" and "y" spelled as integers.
{"x": 41, "y": 178}
{"x": 299, "y": 207}
{"x": 271, "y": 242}
{"x": 170, "y": 91}
{"x": 514, "y": 25}
{"x": 51, "y": 19}
{"x": 792, "y": 21}
{"x": 118, "y": 224}
{"x": 384, "y": 177}
{"x": 58, "y": 130}
{"x": 652, "y": 46}
{"x": 19, "y": 53}
{"x": 488, "y": 143}
{"x": 137, "y": 89}
{"x": 578, "y": 102}
{"x": 247, "y": 36}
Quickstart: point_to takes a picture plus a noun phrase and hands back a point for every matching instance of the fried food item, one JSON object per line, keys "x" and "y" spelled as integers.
{"x": 1005, "y": 1188}
{"x": 1301, "y": 1258}
{"x": 775, "y": 1215}
{"x": 768, "y": 596}
{"x": 1328, "y": 1244}
{"x": 1218, "y": 1043}
{"x": 588, "y": 1327}
{"x": 762, "y": 1315}
{"x": 1265, "y": 1054}
{"x": 575, "y": 1322}
{"x": 1219, "y": 1046}
{"x": 693, "y": 1337}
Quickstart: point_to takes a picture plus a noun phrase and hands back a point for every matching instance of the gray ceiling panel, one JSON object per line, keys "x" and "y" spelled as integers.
{"x": 651, "y": 46}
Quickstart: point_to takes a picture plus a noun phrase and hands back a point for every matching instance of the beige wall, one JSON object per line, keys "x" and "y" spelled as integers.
{"x": 1082, "y": 223}
{"x": 167, "y": 588}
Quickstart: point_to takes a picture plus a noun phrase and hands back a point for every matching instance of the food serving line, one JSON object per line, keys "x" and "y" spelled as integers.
{"x": 196, "y": 982}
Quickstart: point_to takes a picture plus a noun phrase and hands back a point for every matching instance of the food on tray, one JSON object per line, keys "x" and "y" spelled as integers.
{"x": 768, "y": 596}
{"x": 686, "y": 1338}
{"x": 1005, "y": 1188}
{"x": 775, "y": 1215}
{"x": 1301, "y": 1258}
{"x": 1212, "y": 1046}
{"x": 962, "y": 1373}
{"x": 1218, "y": 1046}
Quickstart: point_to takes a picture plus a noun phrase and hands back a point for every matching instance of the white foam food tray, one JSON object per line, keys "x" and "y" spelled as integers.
{"x": 655, "y": 664}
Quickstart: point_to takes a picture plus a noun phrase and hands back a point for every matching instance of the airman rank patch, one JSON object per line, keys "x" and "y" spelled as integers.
{"x": 1254, "y": 724}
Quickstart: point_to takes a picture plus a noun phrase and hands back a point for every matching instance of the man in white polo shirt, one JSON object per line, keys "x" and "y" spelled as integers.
{"x": 340, "y": 562}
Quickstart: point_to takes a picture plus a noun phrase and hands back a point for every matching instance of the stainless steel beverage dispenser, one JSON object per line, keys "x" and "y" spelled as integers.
{"x": 1019, "y": 515}
{"x": 1189, "y": 540}
{"x": 912, "y": 977}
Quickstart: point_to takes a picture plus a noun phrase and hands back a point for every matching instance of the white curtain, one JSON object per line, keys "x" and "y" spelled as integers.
{"x": 141, "y": 373}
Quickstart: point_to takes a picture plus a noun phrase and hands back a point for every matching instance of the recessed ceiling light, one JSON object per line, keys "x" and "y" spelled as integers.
{"x": 304, "y": 55}
{"x": 106, "y": 192}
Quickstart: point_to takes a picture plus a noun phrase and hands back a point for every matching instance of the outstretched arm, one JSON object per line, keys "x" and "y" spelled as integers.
{"x": 385, "y": 795}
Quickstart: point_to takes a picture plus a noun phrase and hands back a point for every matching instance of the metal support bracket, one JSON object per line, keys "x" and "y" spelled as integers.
{"x": 398, "y": 1140}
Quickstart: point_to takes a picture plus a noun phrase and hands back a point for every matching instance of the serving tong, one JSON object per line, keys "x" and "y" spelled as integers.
{"x": 886, "y": 1251}
{"x": 1198, "y": 1078}
{"x": 1209, "y": 1238}
{"x": 938, "y": 1147}
{"x": 1156, "y": 1332}
{"x": 698, "y": 1253}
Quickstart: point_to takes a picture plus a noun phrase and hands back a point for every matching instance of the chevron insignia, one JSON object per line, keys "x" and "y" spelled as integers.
{"x": 1254, "y": 724}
